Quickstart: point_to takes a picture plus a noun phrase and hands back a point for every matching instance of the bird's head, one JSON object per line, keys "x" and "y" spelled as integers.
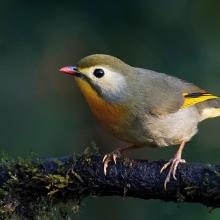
{"x": 106, "y": 75}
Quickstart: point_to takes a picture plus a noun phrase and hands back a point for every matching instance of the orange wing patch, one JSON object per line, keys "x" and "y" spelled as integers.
{"x": 197, "y": 97}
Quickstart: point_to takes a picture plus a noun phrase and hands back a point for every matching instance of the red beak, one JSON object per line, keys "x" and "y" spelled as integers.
{"x": 71, "y": 70}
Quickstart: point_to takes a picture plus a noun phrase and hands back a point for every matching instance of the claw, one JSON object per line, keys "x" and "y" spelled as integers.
{"x": 115, "y": 156}
{"x": 173, "y": 163}
{"x": 165, "y": 166}
{"x": 104, "y": 158}
{"x": 110, "y": 157}
{"x": 106, "y": 165}
{"x": 175, "y": 167}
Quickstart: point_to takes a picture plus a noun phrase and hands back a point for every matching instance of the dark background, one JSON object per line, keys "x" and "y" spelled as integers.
{"x": 43, "y": 111}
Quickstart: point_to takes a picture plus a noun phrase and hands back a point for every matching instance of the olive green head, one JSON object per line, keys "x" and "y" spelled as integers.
{"x": 101, "y": 60}
{"x": 106, "y": 74}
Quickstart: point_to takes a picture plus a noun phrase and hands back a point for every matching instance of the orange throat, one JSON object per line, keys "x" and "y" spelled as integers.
{"x": 110, "y": 115}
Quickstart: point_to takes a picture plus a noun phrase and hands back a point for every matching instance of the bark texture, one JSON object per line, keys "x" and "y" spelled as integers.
{"x": 23, "y": 184}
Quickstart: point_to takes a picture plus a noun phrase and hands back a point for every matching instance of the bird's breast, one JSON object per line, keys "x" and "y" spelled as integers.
{"x": 112, "y": 116}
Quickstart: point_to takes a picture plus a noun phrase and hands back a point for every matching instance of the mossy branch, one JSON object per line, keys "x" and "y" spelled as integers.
{"x": 26, "y": 186}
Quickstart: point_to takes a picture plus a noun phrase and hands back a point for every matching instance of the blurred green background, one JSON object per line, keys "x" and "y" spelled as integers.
{"x": 43, "y": 111}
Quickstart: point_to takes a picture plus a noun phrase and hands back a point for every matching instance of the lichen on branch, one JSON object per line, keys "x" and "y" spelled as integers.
{"x": 33, "y": 187}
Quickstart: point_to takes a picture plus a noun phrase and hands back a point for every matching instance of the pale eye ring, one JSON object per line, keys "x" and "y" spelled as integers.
{"x": 98, "y": 73}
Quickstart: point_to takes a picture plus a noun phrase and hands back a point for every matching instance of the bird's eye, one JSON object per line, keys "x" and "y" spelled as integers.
{"x": 99, "y": 73}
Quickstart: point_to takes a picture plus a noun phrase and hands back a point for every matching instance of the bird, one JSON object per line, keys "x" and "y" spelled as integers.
{"x": 142, "y": 107}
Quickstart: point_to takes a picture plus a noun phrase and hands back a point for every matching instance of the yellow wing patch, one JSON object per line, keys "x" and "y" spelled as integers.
{"x": 194, "y": 98}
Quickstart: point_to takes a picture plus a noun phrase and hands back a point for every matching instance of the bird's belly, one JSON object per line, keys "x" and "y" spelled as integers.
{"x": 149, "y": 131}
{"x": 161, "y": 131}
{"x": 172, "y": 129}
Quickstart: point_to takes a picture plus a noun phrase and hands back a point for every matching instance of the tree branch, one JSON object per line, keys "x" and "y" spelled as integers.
{"x": 71, "y": 179}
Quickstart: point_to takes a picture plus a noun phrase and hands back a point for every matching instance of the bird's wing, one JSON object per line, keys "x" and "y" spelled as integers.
{"x": 196, "y": 97}
{"x": 166, "y": 94}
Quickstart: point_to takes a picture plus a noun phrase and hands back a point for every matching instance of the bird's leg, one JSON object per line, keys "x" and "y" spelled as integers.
{"x": 116, "y": 154}
{"x": 173, "y": 163}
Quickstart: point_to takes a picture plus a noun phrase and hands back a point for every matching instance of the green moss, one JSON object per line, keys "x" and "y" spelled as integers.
{"x": 31, "y": 191}
{"x": 50, "y": 198}
{"x": 17, "y": 199}
{"x": 56, "y": 182}
{"x": 180, "y": 197}
{"x": 127, "y": 162}
{"x": 191, "y": 191}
